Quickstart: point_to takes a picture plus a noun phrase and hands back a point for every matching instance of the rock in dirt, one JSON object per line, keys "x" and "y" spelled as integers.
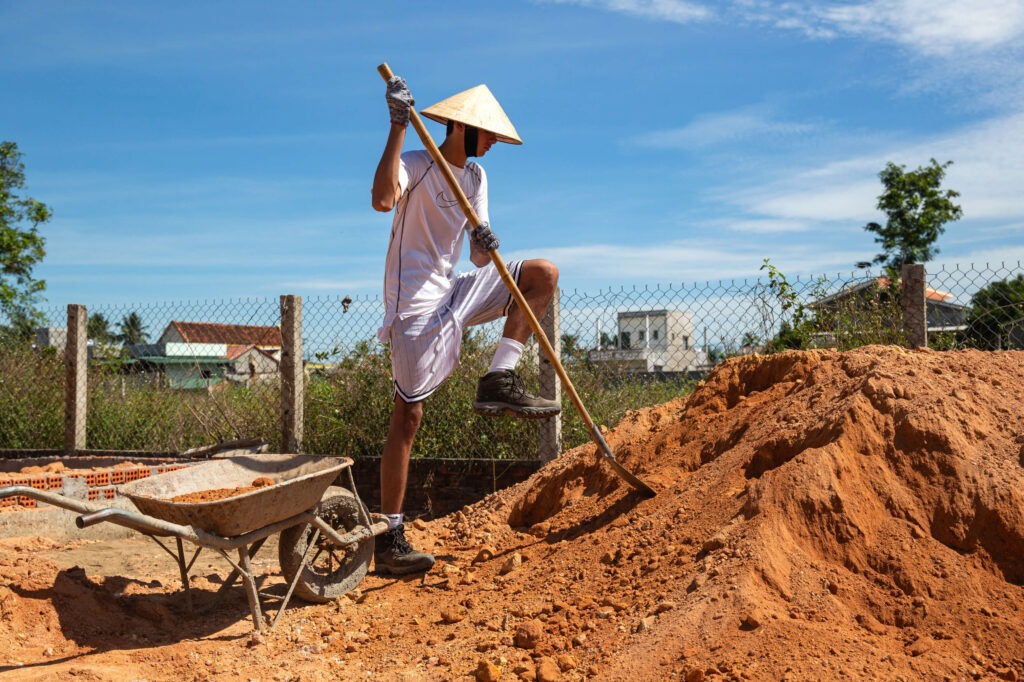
{"x": 921, "y": 646}
{"x": 547, "y": 670}
{"x": 511, "y": 564}
{"x": 528, "y": 634}
{"x": 753, "y": 619}
{"x": 486, "y": 553}
{"x": 487, "y": 671}
{"x": 454, "y": 614}
{"x": 663, "y": 606}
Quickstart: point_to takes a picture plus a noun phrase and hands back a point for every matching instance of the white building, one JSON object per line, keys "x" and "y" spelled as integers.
{"x": 653, "y": 341}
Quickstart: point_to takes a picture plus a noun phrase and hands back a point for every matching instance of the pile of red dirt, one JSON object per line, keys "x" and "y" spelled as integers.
{"x": 820, "y": 516}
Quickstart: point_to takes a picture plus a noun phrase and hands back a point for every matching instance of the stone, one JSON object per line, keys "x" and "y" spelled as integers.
{"x": 511, "y": 564}
{"x": 753, "y": 619}
{"x": 486, "y": 671}
{"x": 664, "y": 606}
{"x": 921, "y": 646}
{"x": 566, "y": 662}
{"x": 616, "y": 604}
{"x": 540, "y": 530}
{"x": 486, "y": 553}
{"x": 547, "y": 670}
{"x": 453, "y": 614}
{"x": 528, "y": 634}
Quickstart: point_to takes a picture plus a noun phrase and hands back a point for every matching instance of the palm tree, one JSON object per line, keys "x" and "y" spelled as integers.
{"x": 98, "y": 327}
{"x": 132, "y": 330}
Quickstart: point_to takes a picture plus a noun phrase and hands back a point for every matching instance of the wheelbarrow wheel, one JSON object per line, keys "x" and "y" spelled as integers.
{"x": 332, "y": 571}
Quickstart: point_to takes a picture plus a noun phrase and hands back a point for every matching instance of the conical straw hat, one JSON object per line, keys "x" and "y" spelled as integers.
{"x": 475, "y": 107}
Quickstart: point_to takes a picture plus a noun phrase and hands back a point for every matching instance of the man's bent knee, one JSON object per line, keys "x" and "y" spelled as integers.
{"x": 539, "y": 273}
{"x": 409, "y": 415}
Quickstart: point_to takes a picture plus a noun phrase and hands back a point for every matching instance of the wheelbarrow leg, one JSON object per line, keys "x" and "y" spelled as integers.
{"x": 183, "y": 571}
{"x": 233, "y": 576}
{"x": 298, "y": 575}
{"x": 250, "y": 588}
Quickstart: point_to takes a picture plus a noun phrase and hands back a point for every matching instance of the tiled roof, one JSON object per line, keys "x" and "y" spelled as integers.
{"x": 232, "y": 334}
{"x": 929, "y": 293}
{"x": 883, "y": 283}
{"x": 235, "y": 352}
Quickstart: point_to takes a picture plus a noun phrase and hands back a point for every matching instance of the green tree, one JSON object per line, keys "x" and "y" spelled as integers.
{"x": 132, "y": 330}
{"x": 21, "y": 245}
{"x": 996, "y": 318}
{"x": 918, "y": 209}
{"x": 572, "y": 348}
{"x": 98, "y": 327}
{"x": 750, "y": 339}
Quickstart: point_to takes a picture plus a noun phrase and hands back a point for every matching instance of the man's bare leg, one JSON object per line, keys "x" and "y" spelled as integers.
{"x": 392, "y": 553}
{"x": 394, "y": 462}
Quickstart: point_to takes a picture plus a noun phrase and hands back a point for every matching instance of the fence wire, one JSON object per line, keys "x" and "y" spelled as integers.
{"x": 173, "y": 376}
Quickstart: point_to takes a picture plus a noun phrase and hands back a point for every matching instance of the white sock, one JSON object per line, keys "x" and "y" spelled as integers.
{"x": 507, "y": 355}
{"x": 395, "y": 520}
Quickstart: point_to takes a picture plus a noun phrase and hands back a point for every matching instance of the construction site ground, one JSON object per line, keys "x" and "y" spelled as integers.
{"x": 820, "y": 515}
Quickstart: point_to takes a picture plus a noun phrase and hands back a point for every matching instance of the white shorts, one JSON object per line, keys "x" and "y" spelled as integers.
{"x": 425, "y": 348}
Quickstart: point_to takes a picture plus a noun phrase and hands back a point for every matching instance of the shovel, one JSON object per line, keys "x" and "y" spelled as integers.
{"x": 602, "y": 446}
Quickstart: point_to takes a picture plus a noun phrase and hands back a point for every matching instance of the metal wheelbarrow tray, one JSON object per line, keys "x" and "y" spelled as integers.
{"x": 299, "y": 482}
{"x": 326, "y": 533}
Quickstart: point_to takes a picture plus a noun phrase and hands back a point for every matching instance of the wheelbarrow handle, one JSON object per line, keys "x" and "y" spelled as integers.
{"x": 98, "y": 516}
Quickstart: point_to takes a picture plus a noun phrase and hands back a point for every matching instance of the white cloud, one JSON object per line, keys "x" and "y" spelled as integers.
{"x": 987, "y": 172}
{"x": 723, "y": 128}
{"x": 691, "y": 260}
{"x": 766, "y": 226}
{"x": 676, "y": 11}
{"x": 933, "y": 26}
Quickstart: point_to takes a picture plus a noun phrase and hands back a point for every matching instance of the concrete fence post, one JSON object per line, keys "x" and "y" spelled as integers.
{"x": 915, "y": 306}
{"x": 292, "y": 377}
{"x": 76, "y": 359}
{"x": 550, "y": 387}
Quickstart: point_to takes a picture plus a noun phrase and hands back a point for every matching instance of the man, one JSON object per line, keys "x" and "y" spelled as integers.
{"x": 427, "y": 305}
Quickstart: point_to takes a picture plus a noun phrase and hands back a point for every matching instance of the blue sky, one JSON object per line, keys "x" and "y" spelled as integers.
{"x": 211, "y": 150}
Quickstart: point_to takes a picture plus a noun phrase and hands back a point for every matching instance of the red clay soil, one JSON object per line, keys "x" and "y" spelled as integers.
{"x": 217, "y": 494}
{"x": 819, "y": 516}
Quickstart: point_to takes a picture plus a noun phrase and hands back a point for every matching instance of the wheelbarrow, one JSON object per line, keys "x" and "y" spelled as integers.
{"x": 326, "y": 534}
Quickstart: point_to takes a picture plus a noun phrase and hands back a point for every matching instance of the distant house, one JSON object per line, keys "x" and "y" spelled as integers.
{"x": 943, "y": 315}
{"x": 204, "y": 354}
{"x": 653, "y": 341}
{"x": 52, "y": 337}
{"x": 264, "y": 338}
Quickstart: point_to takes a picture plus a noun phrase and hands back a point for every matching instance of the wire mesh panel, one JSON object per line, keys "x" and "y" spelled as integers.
{"x": 977, "y": 307}
{"x": 172, "y": 376}
{"x": 31, "y": 397}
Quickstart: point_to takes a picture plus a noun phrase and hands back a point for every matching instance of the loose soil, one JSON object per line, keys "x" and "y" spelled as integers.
{"x": 222, "y": 493}
{"x": 820, "y": 516}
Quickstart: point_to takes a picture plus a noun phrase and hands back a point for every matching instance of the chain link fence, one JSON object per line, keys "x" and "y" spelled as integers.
{"x": 164, "y": 378}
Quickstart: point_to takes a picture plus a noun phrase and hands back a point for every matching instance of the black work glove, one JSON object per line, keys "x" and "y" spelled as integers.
{"x": 484, "y": 238}
{"x": 400, "y": 100}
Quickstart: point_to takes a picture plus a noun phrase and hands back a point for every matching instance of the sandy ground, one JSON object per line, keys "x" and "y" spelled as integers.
{"x": 819, "y": 516}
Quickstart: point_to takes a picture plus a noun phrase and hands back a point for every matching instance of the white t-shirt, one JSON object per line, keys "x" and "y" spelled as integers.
{"x": 426, "y": 235}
